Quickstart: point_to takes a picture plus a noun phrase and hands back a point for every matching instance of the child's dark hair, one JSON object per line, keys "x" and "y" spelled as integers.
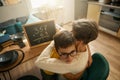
{"x": 63, "y": 39}
{"x": 85, "y": 30}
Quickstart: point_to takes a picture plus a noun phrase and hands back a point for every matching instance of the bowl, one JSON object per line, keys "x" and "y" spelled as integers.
{"x": 6, "y": 57}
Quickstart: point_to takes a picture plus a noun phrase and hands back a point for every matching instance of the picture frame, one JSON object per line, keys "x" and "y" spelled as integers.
{"x": 39, "y": 33}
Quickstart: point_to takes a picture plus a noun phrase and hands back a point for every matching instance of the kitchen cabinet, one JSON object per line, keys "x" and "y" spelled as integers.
{"x": 118, "y": 33}
{"x": 107, "y": 17}
{"x": 94, "y": 12}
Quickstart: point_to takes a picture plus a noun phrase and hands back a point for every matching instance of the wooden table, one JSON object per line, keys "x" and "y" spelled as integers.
{"x": 29, "y": 53}
{"x": 16, "y": 60}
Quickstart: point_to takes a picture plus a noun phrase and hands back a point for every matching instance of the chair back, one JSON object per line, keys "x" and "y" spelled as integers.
{"x": 99, "y": 69}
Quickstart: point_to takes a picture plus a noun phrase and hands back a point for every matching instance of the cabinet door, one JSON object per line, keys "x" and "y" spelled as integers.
{"x": 118, "y": 34}
{"x": 93, "y": 12}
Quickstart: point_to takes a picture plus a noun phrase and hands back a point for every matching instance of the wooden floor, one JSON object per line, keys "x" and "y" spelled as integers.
{"x": 107, "y": 45}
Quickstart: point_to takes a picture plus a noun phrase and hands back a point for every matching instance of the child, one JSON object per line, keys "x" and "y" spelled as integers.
{"x": 64, "y": 50}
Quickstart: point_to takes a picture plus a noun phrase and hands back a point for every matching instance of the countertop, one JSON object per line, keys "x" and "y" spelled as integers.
{"x": 103, "y": 4}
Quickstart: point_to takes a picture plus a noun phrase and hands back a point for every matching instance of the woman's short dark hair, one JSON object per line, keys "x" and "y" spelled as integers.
{"x": 63, "y": 39}
{"x": 85, "y": 30}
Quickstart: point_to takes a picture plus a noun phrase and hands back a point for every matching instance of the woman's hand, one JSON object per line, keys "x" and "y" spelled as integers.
{"x": 69, "y": 76}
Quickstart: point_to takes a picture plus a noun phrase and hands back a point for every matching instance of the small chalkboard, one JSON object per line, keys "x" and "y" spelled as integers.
{"x": 39, "y": 32}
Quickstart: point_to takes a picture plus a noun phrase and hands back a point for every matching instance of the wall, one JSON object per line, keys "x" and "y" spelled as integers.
{"x": 24, "y": 8}
{"x": 71, "y": 8}
{"x": 68, "y": 10}
{"x": 81, "y": 8}
{"x": 13, "y": 11}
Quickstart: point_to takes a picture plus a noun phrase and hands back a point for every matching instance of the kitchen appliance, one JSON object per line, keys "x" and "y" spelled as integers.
{"x": 115, "y": 2}
{"x": 110, "y": 19}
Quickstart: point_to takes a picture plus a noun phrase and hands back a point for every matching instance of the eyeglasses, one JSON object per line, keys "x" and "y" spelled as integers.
{"x": 65, "y": 55}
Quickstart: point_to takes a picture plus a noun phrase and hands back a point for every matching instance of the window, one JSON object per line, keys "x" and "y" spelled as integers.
{"x": 47, "y": 9}
{"x": 39, "y": 3}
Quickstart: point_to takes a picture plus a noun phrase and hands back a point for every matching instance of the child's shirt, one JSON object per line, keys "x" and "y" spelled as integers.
{"x": 53, "y": 54}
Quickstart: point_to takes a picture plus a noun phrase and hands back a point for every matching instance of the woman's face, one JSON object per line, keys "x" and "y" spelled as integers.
{"x": 67, "y": 54}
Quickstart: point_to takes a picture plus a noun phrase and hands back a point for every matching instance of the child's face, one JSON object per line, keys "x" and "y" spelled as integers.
{"x": 67, "y": 54}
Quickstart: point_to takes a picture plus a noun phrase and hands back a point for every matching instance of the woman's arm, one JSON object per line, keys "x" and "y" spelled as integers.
{"x": 44, "y": 61}
{"x": 51, "y": 64}
{"x": 76, "y": 76}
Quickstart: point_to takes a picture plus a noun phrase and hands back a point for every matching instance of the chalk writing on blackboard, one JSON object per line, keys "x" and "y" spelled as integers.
{"x": 40, "y": 32}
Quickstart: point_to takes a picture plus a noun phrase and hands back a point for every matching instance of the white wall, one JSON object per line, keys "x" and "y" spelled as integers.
{"x": 13, "y": 11}
{"x": 81, "y": 8}
{"x": 68, "y": 10}
{"x": 24, "y": 8}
